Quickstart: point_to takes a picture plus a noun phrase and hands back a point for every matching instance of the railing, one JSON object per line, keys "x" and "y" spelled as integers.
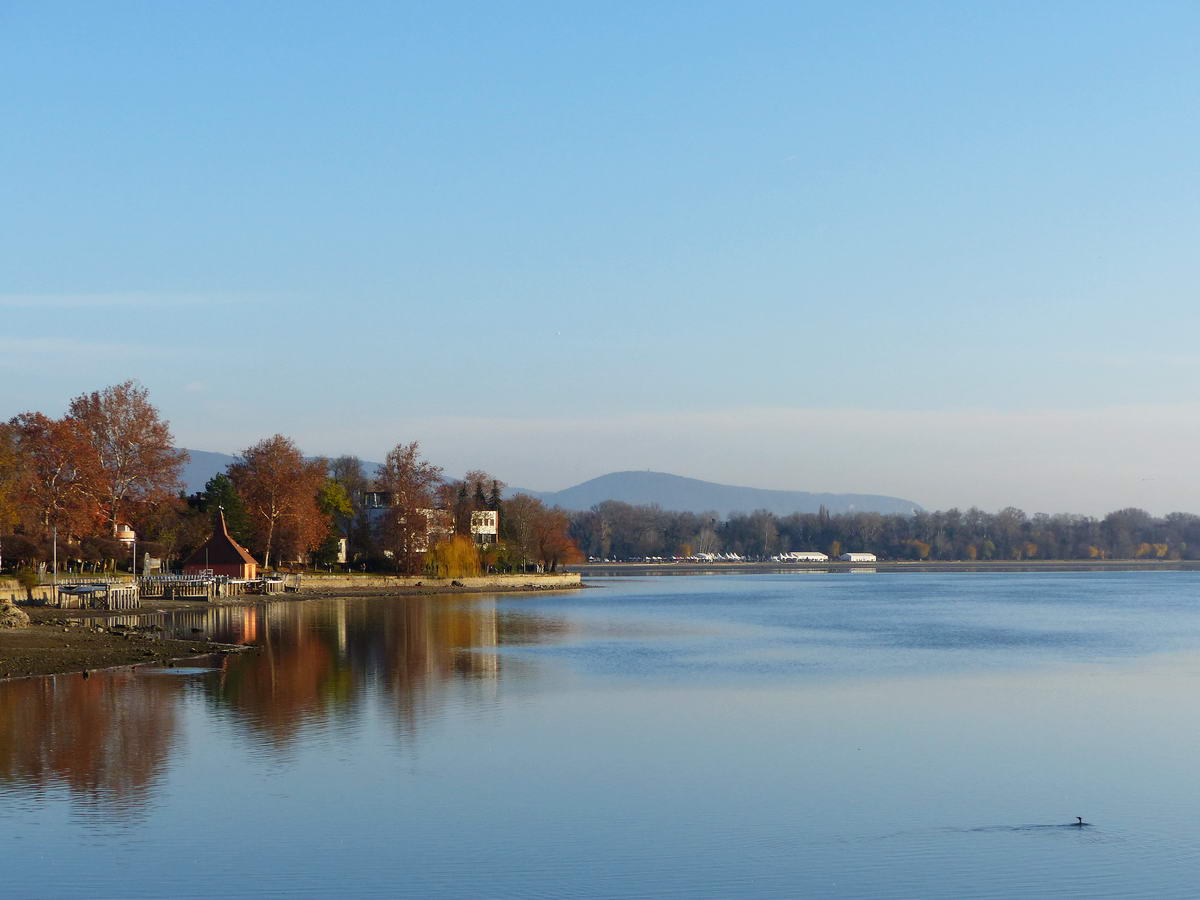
{"x": 68, "y": 580}
{"x": 194, "y": 588}
{"x": 173, "y": 585}
{"x": 108, "y": 596}
{"x": 123, "y": 598}
{"x": 124, "y": 593}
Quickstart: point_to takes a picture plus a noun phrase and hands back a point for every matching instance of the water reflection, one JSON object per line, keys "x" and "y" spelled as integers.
{"x": 320, "y": 660}
{"x": 108, "y": 738}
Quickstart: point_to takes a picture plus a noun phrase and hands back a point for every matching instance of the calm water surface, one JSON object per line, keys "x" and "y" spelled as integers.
{"x": 871, "y": 735}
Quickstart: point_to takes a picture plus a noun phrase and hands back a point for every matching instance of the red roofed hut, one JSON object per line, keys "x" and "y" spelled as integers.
{"x": 221, "y": 555}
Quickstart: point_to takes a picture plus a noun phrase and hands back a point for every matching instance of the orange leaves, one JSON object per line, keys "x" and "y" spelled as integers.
{"x": 279, "y": 488}
{"x": 130, "y": 455}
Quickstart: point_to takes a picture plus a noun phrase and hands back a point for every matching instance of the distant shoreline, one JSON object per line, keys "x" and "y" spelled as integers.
{"x": 608, "y": 570}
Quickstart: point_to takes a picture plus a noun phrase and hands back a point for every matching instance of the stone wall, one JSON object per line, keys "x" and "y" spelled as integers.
{"x": 478, "y": 583}
{"x": 12, "y": 592}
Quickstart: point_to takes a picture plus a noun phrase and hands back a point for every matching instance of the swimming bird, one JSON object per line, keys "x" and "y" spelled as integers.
{"x": 1079, "y": 823}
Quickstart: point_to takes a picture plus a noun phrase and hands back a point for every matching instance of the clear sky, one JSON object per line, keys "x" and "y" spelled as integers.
{"x": 946, "y": 251}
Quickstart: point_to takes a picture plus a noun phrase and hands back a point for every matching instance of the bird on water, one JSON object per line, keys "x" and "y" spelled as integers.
{"x": 1079, "y": 823}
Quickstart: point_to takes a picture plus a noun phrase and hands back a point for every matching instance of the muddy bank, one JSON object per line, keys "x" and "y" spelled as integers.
{"x": 60, "y": 641}
{"x": 75, "y": 640}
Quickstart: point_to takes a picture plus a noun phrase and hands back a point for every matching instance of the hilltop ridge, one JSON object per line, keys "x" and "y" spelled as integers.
{"x": 681, "y": 494}
{"x": 674, "y": 492}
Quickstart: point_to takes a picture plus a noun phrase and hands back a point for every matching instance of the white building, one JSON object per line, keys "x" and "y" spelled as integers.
{"x": 485, "y": 526}
{"x": 857, "y": 557}
{"x": 439, "y": 523}
{"x": 801, "y": 556}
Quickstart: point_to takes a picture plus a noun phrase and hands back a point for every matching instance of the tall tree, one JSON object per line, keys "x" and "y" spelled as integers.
{"x": 411, "y": 481}
{"x": 279, "y": 487}
{"x": 334, "y": 504}
{"x": 462, "y": 509}
{"x": 134, "y": 460}
{"x": 219, "y": 496}
{"x": 554, "y": 544}
{"x": 10, "y": 476}
{"x": 177, "y": 525}
{"x": 351, "y": 474}
{"x": 52, "y": 475}
{"x": 539, "y": 533}
{"x": 479, "y": 483}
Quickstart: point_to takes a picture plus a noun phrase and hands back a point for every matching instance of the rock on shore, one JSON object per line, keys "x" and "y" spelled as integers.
{"x": 12, "y": 617}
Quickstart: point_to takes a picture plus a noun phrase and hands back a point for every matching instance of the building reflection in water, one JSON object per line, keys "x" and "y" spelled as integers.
{"x": 317, "y": 664}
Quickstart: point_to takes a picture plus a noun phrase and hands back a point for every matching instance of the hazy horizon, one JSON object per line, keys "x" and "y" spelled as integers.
{"x": 934, "y": 252}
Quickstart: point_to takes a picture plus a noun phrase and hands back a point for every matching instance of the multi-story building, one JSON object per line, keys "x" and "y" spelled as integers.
{"x": 485, "y": 526}
{"x": 439, "y": 523}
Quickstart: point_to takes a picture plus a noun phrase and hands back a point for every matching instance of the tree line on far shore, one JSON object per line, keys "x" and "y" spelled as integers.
{"x": 615, "y": 530}
{"x": 110, "y": 462}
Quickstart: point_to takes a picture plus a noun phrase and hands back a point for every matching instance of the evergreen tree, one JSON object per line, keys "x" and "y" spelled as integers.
{"x": 220, "y": 492}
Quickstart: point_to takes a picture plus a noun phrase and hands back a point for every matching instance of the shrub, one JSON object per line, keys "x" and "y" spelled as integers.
{"x": 454, "y": 558}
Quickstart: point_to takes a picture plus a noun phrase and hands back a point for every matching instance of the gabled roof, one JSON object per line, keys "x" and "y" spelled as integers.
{"x": 220, "y": 549}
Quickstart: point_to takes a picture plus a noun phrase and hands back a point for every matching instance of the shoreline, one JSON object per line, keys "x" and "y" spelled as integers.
{"x": 81, "y": 641}
{"x": 66, "y": 641}
{"x": 617, "y": 570}
{"x": 62, "y": 641}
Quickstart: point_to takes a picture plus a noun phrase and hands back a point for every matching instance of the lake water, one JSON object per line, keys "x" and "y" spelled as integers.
{"x": 841, "y": 735}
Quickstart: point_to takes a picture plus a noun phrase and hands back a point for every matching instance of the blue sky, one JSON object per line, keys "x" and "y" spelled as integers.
{"x": 822, "y": 246}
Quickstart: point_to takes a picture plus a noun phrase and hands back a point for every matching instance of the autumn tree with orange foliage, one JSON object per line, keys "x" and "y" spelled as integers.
{"x": 279, "y": 487}
{"x": 130, "y": 458}
{"x": 51, "y": 476}
{"x": 10, "y": 481}
{"x": 539, "y": 533}
{"x": 412, "y": 483}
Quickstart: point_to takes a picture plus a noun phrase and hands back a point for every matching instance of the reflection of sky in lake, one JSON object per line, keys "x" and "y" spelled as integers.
{"x": 790, "y": 626}
{"x": 890, "y": 735}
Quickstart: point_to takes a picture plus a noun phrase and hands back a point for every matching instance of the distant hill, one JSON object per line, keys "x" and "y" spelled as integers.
{"x": 202, "y": 466}
{"x": 673, "y": 492}
{"x": 680, "y": 494}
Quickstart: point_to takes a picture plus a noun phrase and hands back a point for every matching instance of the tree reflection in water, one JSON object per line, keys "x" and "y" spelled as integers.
{"x": 108, "y": 739}
{"x": 321, "y": 660}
